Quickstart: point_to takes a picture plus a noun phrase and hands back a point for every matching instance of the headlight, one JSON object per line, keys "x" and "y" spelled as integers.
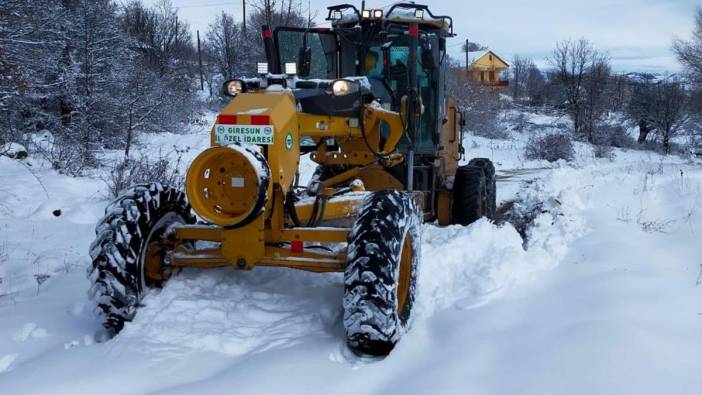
{"x": 233, "y": 87}
{"x": 291, "y": 68}
{"x": 344, "y": 87}
{"x": 262, "y": 68}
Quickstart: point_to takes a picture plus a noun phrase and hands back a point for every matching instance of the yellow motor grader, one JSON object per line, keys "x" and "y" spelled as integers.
{"x": 366, "y": 100}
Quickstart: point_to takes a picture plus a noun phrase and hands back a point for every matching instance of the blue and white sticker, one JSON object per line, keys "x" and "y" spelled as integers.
{"x": 289, "y": 141}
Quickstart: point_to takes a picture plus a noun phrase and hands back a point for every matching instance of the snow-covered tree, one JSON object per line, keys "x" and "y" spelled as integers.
{"x": 99, "y": 53}
{"x": 162, "y": 68}
{"x": 224, "y": 43}
{"x": 31, "y": 39}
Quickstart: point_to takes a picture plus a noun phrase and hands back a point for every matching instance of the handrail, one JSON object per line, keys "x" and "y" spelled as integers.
{"x": 422, "y": 7}
{"x": 341, "y": 8}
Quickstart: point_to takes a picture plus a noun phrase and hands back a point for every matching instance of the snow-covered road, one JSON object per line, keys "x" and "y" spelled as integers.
{"x": 604, "y": 300}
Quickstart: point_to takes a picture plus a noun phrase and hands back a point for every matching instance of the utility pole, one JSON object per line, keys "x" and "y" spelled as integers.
{"x": 467, "y": 53}
{"x": 247, "y": 57}
{"x": 243, "y": 7}
{"x": 199, "y": 57}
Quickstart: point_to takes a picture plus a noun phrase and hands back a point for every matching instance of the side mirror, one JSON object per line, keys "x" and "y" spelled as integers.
{"x": 304, "y": 61}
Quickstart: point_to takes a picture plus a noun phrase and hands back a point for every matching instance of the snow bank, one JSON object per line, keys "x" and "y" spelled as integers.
{"x": 467, "y": 266}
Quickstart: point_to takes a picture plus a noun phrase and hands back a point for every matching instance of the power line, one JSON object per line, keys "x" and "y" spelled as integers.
{"x": 233, "y": 4}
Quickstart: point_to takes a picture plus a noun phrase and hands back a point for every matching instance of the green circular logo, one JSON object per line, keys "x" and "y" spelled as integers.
{"x": 288, "y": 141}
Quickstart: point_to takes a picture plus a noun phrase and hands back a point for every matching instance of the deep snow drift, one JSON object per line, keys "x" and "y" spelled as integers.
{"x": 604, "y": 299}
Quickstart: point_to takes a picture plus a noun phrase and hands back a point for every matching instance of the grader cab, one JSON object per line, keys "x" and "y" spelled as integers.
{"x": 366, "y": 100}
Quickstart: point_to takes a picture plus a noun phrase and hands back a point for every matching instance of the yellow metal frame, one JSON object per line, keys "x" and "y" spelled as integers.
{"x": 258, "y": 244}
{"x": 272, "y": 239}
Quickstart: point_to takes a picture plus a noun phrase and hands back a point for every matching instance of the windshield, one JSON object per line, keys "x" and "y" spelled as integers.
{"x": 322, "y": 47}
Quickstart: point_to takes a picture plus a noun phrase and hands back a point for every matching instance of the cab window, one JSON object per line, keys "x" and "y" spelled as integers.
{"x": 322, "y": 46}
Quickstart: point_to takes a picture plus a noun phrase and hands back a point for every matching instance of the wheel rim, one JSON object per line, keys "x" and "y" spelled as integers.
{"x": 403, "y": 282}
{"x": 152, "y": 262}
{"x": 154, "y": 250}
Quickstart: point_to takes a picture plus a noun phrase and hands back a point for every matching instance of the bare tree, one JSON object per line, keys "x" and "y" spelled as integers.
{"x": 596, "y": 102}
{"x": 164, "y": 40}
{"x": 669, "y": 115}
{"x": 665, "y": 107}
{"x": 520, "y": 71}
{"x": 535, "y": 85}
{"x": 224, "y": 45}
{"x": 574, "y": 61}
{"x": 481, "y": 105}
{"x": 619, "y": 92}
{"x": 640, "y": 106}
{"x": 689, "y": 52}
{"x": 470, "y": 46}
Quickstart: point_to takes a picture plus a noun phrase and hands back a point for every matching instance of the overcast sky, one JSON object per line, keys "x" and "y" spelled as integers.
{"x": 636, "y": 33}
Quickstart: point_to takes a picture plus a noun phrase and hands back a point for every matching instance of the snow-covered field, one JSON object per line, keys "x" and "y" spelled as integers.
{"x": 606, "y": 297}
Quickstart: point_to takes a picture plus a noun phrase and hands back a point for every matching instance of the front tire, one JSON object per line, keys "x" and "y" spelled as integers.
{"x": 128, "y": 249}
{"x": 381, "y": 276}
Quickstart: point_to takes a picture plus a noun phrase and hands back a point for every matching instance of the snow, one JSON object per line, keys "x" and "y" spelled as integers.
{"x": 255, "y": 111}
{"x": 13, "y": 150}
{"x": 362, "y": 81}
{"x": 605, "y": 299}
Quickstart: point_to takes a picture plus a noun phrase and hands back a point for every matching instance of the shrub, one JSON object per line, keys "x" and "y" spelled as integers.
{"x": 603, "y": 151}
{"x": 550, "y": 147}
{"x": 131, "y": 171}
{"x": 612, "y": 136}
{"x": 63, "y": 153}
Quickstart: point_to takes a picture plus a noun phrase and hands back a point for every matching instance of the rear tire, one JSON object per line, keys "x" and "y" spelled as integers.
{"x": 490, "y": 181}
{"x": 470, "y": 195}
{"x": 381, "y": 276}
{"x": 134, "y": 221}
